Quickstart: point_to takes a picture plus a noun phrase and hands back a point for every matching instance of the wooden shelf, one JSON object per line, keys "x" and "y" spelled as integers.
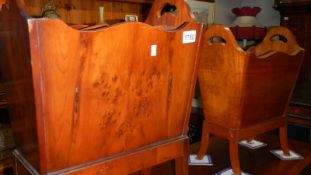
{"x": 87, "y": 12}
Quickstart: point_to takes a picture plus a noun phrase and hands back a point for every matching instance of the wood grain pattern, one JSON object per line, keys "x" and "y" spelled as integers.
{"x": 131, "y": 93}
{"x": 246, "y": 93}
{"x": 214, "y": 66}
{"x": 100, "y": 99}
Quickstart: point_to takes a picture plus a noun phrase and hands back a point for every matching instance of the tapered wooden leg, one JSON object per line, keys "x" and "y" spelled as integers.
{"x": 283, "y": 140}
{"x": 234, "y": 156}
{"x": 204, "y": 142}
{"x": 146, "y": 172}
{"x": 181, "y": 166}
{"x": 181, "y": 163}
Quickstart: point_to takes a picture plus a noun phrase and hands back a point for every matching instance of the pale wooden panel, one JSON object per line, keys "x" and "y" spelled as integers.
{"x": 86, "y": 12}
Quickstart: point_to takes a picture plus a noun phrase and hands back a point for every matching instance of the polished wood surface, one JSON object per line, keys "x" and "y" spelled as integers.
{"x": 97, "y": 100}
{"x": 246, "y": 93}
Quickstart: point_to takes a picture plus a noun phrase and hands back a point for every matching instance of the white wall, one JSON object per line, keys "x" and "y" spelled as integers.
{"x": 268, "y": 16}
{"x": 199, "y": 6}
{"x": 223, "y": 14}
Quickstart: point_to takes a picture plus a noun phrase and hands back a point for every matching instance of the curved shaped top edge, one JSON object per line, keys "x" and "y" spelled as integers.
{"x": 273, "y": 52}
{"x": 219, "y": 30}
{"x": 267, "y": 49}
{"x": 160, "y": 28}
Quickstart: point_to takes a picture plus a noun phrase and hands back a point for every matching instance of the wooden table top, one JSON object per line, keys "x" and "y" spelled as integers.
{"x": 259, "y": 161}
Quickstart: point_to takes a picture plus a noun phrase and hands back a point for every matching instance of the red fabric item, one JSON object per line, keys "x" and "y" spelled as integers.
{"x": 246, "y": 11}
{"x": 250, "y": 33}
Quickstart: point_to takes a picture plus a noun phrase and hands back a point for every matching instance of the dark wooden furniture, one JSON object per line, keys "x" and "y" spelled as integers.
{"x": 246, "y": 93}
{"x": 3, "y": 101}
{"x": 6, "y": 167}
{"x": 296, "y": 15}
{"x": 97, "y": 102}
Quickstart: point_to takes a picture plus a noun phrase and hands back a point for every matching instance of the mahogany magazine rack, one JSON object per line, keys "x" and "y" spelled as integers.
{"x": 246, "y": 93}
{"x": 110, "y": 101}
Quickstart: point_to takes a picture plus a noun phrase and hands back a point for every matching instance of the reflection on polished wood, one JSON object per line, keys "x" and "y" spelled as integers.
{"x": 257, "y": 162}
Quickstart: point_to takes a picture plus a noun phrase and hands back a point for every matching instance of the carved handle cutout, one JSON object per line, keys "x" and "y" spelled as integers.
{"x": 170, "y": 14}
{"x": 281, "y": 38}
{"x": 168, "y": 8}
{"x": 278, "y": 39}
{"x": 220, "y": 35}
{"x": 217, "y": 39}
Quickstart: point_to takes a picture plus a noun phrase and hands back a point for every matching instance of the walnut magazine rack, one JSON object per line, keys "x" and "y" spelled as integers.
{"x": 109, "y": 101}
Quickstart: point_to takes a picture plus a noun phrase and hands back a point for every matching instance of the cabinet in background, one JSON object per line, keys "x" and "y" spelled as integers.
{"x": 296, "y": 15}
{"x": 87, "y": 12}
